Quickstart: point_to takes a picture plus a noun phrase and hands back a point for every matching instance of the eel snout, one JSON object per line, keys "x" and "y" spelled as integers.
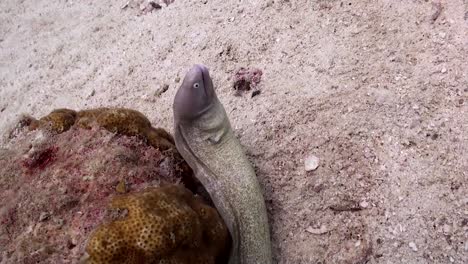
{"x": 196, "y": 94}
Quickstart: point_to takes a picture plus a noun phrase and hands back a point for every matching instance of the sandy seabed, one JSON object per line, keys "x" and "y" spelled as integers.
{"x": 376, "y": 89}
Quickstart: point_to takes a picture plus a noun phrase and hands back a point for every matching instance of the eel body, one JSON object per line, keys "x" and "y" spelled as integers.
{"x": 204, "y": 137}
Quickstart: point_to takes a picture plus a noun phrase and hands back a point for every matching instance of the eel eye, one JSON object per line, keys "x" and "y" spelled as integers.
{"x": 196, "y": 85}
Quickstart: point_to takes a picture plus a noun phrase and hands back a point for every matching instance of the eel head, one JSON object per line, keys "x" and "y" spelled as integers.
{"x": 195, "y": 96}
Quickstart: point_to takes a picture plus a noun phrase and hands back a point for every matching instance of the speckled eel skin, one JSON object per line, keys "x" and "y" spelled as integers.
{"x": 204, "y": 137}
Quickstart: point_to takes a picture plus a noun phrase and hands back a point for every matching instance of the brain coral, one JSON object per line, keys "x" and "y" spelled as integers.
{"x": 161, "y": 225}
{"x": 60, "y": 172}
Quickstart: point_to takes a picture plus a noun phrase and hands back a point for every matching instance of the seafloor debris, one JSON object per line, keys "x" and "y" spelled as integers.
{"x": 146, "y": 6}
{"x": 346, "y": 205}
{"x": 437, "y": 10}
{"x": 162, "y": 89}
{"x": 149, "y": 6}
{"x": 255, "y": 93}
{"x": 318, "y": 231}
{"x": 168, "y": 2}
{"x": 68, "y": 166}
{"x": 246, "y": 79}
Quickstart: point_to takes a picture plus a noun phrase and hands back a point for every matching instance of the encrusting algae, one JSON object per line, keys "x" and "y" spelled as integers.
{"x": 66, "y": 174}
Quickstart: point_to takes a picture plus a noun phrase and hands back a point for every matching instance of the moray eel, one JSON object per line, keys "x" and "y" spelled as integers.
{"x": 205, "y": 139}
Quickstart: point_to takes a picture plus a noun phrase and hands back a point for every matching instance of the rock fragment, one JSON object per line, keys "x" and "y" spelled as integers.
{"x": 311, "y": 163}
{"x": 413, "y": 246}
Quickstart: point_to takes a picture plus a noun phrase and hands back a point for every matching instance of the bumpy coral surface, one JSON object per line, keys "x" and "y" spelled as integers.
{"x": 118, "y": 120}
{"x": 160, "y": 225}
{"x": 58, "y": 177}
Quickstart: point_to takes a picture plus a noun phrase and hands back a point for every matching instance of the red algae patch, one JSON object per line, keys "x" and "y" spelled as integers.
{"x": 40, "y": 159}
{"x": 246, "y": 79}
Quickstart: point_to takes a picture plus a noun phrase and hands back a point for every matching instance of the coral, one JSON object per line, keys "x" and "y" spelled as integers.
{"x": 60, "y": 120}
{"x": 59, "y": 175}
{"x": 161, "y": 225}
{"x": 122, "y": 121}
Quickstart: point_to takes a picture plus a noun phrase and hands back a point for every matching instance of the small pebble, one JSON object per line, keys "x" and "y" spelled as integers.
{"x": 444, "y": 70}
{"x": 413, "y": 246}
{"x": 311, "y": 163}
{"x": 364, "y": 204}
